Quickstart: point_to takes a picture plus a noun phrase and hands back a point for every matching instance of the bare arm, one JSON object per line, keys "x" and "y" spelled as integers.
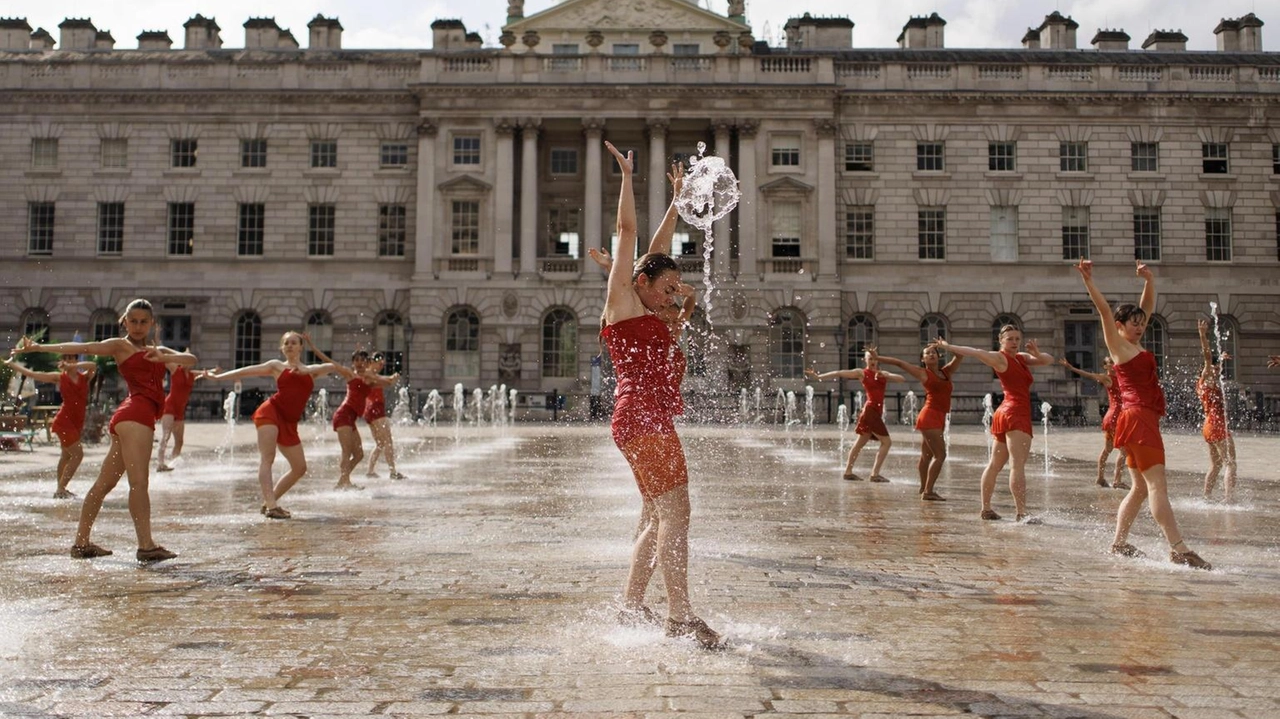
{"x": 164, "y": 355}
{"x": 1273, "y": 361}
{"x": 837, "y": 374}
{"x": 1121, "y": 350}
{"x": 913, "y": 370}
{"x": 107, "y": 348}
{"x": 1205, "y": 353}
{"x": 37, "y": 376}
{"x": 1101, "y": 379}
{"x": 661, "y": 241}
{"x": 1035, "y": 357}
{"x": 991, "y": 358}
{"x": 270, "y": 368}
{"x": 1148, "y": 301}
{"x": 621, "y": 302}
{"x": 378, "y": 380}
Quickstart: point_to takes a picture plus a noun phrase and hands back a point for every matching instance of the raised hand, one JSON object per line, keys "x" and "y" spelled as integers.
{"x": 1143, "y": 271}
{"x": 627, "y": 164}
{"x": 24, "y": 345}
{"x": 601, "y": 257}
{"x": 1065, "y": 362}
{"x": 1085, "y": 268}
{"x": 1273, "y": 360}
{"x": 1033, "y": 348}
{"x": 153, "y": 354}
{"x": 810, "y": 373}
{"x": 676, "y": 177}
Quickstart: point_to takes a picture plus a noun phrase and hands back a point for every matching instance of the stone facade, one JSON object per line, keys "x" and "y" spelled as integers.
{"x": 438, "y": 204}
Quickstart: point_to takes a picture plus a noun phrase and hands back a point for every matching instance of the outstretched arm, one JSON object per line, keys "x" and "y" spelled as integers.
{"x": 1121, "y": 350}
{"x": 990, "y": 358}
{"x": 1035, "y": 357}
{"x": 601, "y": 257}
{"x": 379, "y": 380}
{"x": 1148, "y": 301}
{"x": 1099, "y": 378}
{"x": 618, "y": 302}
{"x": 269, "y": 368}
{"x": 1206, "y": 354}
{"x": 661, "y": 241}
{"x": 164, "y": 355}
{"x": 1273, "y": 361}
{"x": 913, "y": 370}
{"x": 837, "y": 374}
{"x": 106, "y": 347}
{"x": 37, "y": 376}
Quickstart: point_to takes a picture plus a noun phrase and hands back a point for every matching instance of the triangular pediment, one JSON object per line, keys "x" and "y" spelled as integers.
{"x": 579, "y": 16}
{"x": 786, "y": 185}
{"x": 463, "y": 184}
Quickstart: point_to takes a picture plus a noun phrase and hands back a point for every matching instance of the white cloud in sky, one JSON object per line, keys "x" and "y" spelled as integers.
{"x": 407, "y": 23}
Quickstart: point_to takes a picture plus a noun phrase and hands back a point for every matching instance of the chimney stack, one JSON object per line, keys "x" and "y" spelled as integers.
{"x": 77, "y": 34}
{"x": 41, "y": 40}
{"x": 1250, "y": 33}
{"x": 260, "y": 33}
{"x": 448, "y": 35}
{"x": 1165, "y": 41}
{"x": 203, "y": 33}
{"x": 154, "y": 40}
{"x": 1031, "y": 41}
{"x": 102, "y": 40}
{"x": 1110, "y": 40}
{"x": 15, "y": 33}
{"x": 922, "y": 32}
{"x": 1058, "y": 32}
{"x": 325, "y": 33}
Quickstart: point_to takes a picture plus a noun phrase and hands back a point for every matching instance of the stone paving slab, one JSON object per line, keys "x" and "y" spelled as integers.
{"x": 483, "y": 586}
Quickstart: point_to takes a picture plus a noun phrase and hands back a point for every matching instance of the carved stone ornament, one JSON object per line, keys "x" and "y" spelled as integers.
{"x": 738, "y": 306}
{"x": 507, "y": 38}
{"x": 531, "y": 39}
{"x": 657, "y": 38}
{"x": 825, "y": 127}
{"x": 748, "y": 126}
{"x": 510, "y": 305}
{"x": 745, "y": 41}
{"x": 509, "y": 363}
{"x": 658, "y": 126}
{"x": 722, "y": 39}
{"x": 595, "y": 39}
{"x": 504, "y": 126}
{"x": 593, "y": 124}
{"x": 427, "y": 127}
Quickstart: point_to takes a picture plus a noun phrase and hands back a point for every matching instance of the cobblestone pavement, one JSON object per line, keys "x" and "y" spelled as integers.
{"x": 483, "y": 585}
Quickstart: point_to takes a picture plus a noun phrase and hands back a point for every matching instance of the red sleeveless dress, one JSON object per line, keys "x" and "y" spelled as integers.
{"x": 1138, "y": 424}
{"x": 1215, "y": 411}
{"x": 871, "y": 418}
{"x": 180, "y": 383}
{"x": 1015, "y": 411}
{"x": 145, "y": 380}
{"x": 68, "y": 423}
{"x": 284, "y": 409}
{"x": 1114, "y": 402}
{"x": 937, "y": 400}
{"x": 376, "y": 406}
{"x": 353, "y": 404}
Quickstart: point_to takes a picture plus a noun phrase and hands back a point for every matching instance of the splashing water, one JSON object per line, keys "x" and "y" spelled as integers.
{"x": 710, "y": 192}
{"x": 808, "y": 407}
{"x": 434, "y": 404}
{"x": 459, "y": 403}
{"x": 842, "y": 421}
{"x": 229, "y": 407}
{"x": 744, "y": 408}
{"x": 759, "y": 398}
{"x": 789, "y": 415}
{"x": 1045, "y": 409}
{"x": 909, "y": 417}
{"x": 512, "y": 398}
{"x": 988, "y": 411}
{"x": 477, "y": 406}
{"x": 401, "y": 415}
{"x": 1218, "y": 336}
{"x": 779, "y": 404}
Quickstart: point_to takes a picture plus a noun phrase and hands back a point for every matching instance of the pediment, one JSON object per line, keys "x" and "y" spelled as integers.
{"x": 578, "y": 16}
{"x": 786, "y": 185}
{"x": 464, "y": 184}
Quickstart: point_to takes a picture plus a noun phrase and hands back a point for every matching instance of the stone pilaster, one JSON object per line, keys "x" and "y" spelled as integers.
{"x": 529, "y": 195}
{"x": 424, "y": 252}
{"x": 504, "y": 197}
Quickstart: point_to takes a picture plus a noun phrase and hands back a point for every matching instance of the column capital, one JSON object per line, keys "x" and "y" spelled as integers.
{"x": 593, "y": 124}
{"x": 530, "y": 123}
{"x": 428, "y": 126}
{"x": 657, "y": 126}
{"x": 825, "y": 126}
{"x": 748, "y": 127}
{"x": 722, "y": 125}
{"x": 504, "y": 126}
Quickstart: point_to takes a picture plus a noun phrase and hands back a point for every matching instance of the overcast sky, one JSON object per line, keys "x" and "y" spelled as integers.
{"x": 407, "y": 23}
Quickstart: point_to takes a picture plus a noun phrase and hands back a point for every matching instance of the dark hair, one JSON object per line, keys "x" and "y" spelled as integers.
{"x": 653, "y": 264}
{"x": 138, "y": 304}
{"x": 359, "y": 355}
{"x": 378, "y": 357}
{"x": 1128, "y": 311}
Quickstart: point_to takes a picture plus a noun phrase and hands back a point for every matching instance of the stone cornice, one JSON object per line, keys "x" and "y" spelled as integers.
{"x": 536, "y": 91}
{"x": 1145, "y": 98}
{"x": 210, "y": 97}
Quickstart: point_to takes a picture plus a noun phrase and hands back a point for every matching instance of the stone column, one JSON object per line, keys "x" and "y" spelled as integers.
{"x": 828, "y": 257}
{"x": 593, "y": 128}
{"x": 723, "y": 246}
{"x": 657, "y": 173}
{"x": 748, "y": 240}
{"x": 529, "y": 196}
{"x": 424, "y": 245}
{"x": 504, "y": 197}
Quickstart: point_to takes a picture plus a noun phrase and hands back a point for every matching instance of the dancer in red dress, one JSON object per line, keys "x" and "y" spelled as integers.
{"x": 1106, "y": 378}
{"x": 648, "y": 366}
{"x": 375, "y": 414}
{"x": 73, "y": 379}
{"x": 1011, "y": 424}
{"x": 1222, "y": 446}
{"x": 1138, "y": 426}
{"x": 871, "y": 420}
{"x": 132, "y": 427}
{"x": 174, "y": 420}
{"x": 277, "y": 418}
{"x": 932, "y": 419}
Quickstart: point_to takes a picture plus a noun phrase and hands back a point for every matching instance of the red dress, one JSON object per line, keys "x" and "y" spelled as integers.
{"x": 352, "y": 405}
{"x": 180, "y": 382}
{"x": 1114, "y": 403}
{"x": 871, "y": 419}
{"x": 937, "y": 400}
{"x": 1139, "y": 419}
{"x": 69, "y": 422}
{"x": 376, "y": 406}
{"x": 145, "y": 380}
{"x": 1215, "y": 410}
{"x": 284, "y": 409}
{"x": 649, "y": 367}
{"x": 1014, "y": 412}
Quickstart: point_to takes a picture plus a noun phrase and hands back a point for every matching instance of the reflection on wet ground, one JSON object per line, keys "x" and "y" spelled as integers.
{"x": 484, "y": 583}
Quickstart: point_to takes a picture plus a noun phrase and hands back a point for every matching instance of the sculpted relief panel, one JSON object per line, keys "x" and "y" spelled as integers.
{"x": 633, "y": 14}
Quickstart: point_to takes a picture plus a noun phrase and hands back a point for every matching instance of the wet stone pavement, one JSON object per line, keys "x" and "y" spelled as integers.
{"x": 484, "y": 585}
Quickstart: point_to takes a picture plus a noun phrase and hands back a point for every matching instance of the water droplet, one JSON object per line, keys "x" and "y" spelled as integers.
{"x": 822, "y": 345}
{"x": 801, "y": 271}
{"x": 702, "y": 148}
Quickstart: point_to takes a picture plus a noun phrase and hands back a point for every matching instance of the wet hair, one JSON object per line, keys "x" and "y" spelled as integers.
{"x": 285, "y": 336}
{"x": 138, "y": 304}
{"x": 360, "y": 355}
{"x": 378, "y": 357}
{"x": 1007, "y": 329}
{"x": 653, "y": 264}
{"x": 1128, "y": 311}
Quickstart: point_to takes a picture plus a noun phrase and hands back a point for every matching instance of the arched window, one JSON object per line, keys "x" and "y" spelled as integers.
{"x": 1000, "y": 321}
{"x": 861, "y": 334}
{"x": 1227, "y": 330}
{"x": 786, "y": 344}
{"x": 462, "y": 344}
{"x": 319, "y": 327}
{"x": 932, "y": 327}
{"x": 104, "y": 325}
{"x": 35, "y": 324}
{"x": 388, "y": 338}
{"x": 559, "y": 344}
{"x": 1155, "y": 340}
{"x": 248, "y": 339}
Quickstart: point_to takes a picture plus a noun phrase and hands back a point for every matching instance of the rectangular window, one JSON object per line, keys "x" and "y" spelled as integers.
{"x": 564, "y": 230}
{"x": 44, "y": 153}
{"x": 1217, "y": 234}
{"x": 860, "y": 233}
{"x": 251, "y": 229}
{"x": 785, "y": 225}
{"x": 1146, "y": 234}
{"x": 686, "y": 48}
{"x": 253, "y": 153}
{"x": 466, "y": 149}
{"x": 183, "y": 153}
{"x": 625, "y": 48}
{"x": 931, "y": 156}
{"x": 110, "y": 228}
{"x": 564, "y": 48}
{"x": 322, "y": 229}
{"x": 113, "y": 153}
{"x": 1073, "y": 156}
{"x": 1004, "y": 234}
{"x": 785, "y": 150}
{"x": 391, "y": 230}
{"x": 182, "y": 228}
{"x": 931, "y": 229}
{"x": 324, "y": 153}
{"x": 627, "y": 61}
{"x": 1275, "y": 159}
{"x": 1002, "y": 156}
{"x": 860, "y": 157}
{"x": 464, "y": 224}
{"x": 1215, "y": 156}
{"x": 40, "y": 228}
{"x": 1278, "y": 234}
{"x": 564, "y": 161}
{"x": 1144, "y": 156}
{"x": 1075, "y": 233}
{"x": 393, "y": 154}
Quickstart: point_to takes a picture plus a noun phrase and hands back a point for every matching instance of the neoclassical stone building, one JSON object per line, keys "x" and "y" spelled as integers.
{"x": 438, "y": 204}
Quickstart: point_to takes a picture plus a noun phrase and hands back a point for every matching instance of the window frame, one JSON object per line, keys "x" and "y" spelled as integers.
{"x": 468, "y": 233}
{"x": 322, "y": 229}
{"x": 860, "y": 156}
{"x": 393, "y": 154}
{"x": 1002, "y": 157}
{"x": 324, "y": 155}
{"x": 246, "y": 339}
{"x": 931, "y": 156}
{"x": 319, "y": 325}
{"x": 1142, "y": 231}
{"x": 1217, "y": 234}
{"x": 44, "y": 153}
{"x": 180, "y": 225}
{"x": 559, "y": 344}
{"x": 251, "y": 229}
{"x": 1215, "y": 158}
{"x": 791, "y": 246}
{"x": 110, "y": 233}
{"x": 184, "y": 153}
{"x": 1138, "y": 160}
{"x": 1075, "y": 233}
{"x": 1073, "y": 156}
{"x": 462, "y": 343}
{"x": 113, "y": 153}
{"x": 42, "y": 221}
{"x": 860, "y": 232}
{"x": 560, "y": 155}
{"x": 931, "y": 233}
{"x": 253, "y": 153}
{"x": 785, "y": 157}
{"x": 462, "y": 154}
{"x": 786, "y": 362}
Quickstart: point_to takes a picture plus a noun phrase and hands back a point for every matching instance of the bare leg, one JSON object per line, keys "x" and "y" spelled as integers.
{"x": 883, "y": 453}
{"x": 166, "y": 430}
{"x": 1229, "y": 479}
{"x": 179, "y": 431}
{"x": 110, "y": 474}
{"x": 938, "y": 450}
{"x": 672, "y": 509}
{"x": 68, "y": 463}
{"x": 854, "y": 452}
{"x": 1130, "y": 506}
{"x": 922, "y": 466}
{"x": 1117, "y": 481}
{"x": 1215, "y": 467}
{"x": 267, "y": 435}
{"x": 135, "y": 447}
{"x": 297, "y": 468}
{"x": 999, "y": 456}
{"x": 352, "y": 453}
{"x": 643, "y": 557}
{"x": 1102, "y": 459}
{"x": 377, "y": 448}
{"x": 1019, "y": 444}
